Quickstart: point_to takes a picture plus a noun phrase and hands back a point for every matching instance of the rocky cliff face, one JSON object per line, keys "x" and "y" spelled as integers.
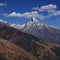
{"x": 37, "y": 48}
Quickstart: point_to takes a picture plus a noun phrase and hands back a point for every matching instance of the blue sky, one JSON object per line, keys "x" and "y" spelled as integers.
{"x": 20, "y": 11}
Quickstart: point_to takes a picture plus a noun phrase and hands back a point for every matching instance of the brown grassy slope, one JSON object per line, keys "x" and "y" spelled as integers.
{"x": 10, "y": 51}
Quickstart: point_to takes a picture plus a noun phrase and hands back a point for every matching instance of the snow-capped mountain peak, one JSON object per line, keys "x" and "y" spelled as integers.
{"x": 32, "y": 22}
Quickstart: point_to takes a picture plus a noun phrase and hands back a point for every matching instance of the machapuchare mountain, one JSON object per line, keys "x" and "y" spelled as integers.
{"x": 17, "y": 45}
{"x": 41, "y": 31}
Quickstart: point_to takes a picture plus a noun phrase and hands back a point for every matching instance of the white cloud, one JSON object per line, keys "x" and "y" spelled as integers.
{"x": 3, "y": 4}
{"x": 14, "y": 14}
{"x": 48, "y": 8}
{"x": 26, "y": 14}
{"x": 33, "y": 14}
{"x": 56, "y": 13}
{"x": 3, "y": 21}
{"x": 30, "y": 14}
{"x": 35, "y": 8}
{"x": 51, "y": 9}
